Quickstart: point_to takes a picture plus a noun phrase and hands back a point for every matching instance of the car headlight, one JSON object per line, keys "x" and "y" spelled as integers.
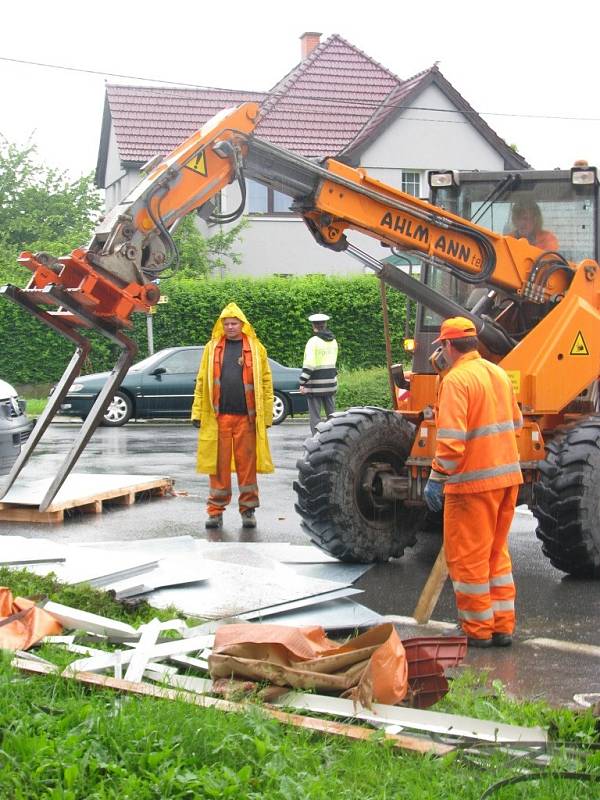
{"x": 77, "y": 387}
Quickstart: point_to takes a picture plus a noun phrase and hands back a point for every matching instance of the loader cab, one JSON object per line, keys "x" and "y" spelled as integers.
{"x": 567, "y": 202}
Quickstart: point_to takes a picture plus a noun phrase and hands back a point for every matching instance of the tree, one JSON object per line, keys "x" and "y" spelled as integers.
{"x": 199, "y": 256}
{"x": 40, "y": 208}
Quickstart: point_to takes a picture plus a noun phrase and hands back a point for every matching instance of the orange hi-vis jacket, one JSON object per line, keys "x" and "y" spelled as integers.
{"x": 477, "y": 421}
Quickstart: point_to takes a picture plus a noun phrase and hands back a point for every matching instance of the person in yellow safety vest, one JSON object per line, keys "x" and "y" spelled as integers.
{"x": 475, "y": 478}
{"x": 233, "y": 407}
{"x": 318, "y": 379}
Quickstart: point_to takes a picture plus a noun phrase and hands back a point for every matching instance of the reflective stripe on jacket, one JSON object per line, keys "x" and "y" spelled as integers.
{"x": 319, "y": 373}
{"x": 477, "y": 422}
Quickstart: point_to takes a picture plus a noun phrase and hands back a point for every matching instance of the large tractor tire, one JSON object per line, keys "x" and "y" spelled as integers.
{"x": 338, "y": 513}
{"x": 566, "y": 500}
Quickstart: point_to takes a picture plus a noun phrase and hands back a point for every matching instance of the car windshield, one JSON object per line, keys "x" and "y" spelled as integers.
{"x": 148, "y": 362}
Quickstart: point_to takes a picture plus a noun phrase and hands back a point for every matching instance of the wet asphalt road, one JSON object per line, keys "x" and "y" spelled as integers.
{"x": 550, "y": 605}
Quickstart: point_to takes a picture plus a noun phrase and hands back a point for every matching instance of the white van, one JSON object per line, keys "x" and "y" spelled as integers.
{"x": 14, "y": 426}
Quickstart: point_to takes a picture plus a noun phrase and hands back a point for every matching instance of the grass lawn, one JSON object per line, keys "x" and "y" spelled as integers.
{"x": 63, "y": 741}
{"x": 36, "y": 405}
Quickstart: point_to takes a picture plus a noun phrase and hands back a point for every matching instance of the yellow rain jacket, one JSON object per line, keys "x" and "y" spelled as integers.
{"x": 203, "y": 408}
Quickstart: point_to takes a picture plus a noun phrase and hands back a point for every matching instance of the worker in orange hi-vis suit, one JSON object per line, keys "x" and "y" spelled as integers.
{"x": 233, "y": 407}
{"x": 475, "y": 478}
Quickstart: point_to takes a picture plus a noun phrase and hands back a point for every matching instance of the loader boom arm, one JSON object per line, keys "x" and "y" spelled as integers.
{"x": 101, "y": 286}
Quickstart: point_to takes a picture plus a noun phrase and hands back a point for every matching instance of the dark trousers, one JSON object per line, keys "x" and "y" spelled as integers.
{"x": 315, "y": 402}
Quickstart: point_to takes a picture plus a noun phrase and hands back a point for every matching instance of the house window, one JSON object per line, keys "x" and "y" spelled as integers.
{"x": 411, "y": 183}
{"x": 261, "y": 199}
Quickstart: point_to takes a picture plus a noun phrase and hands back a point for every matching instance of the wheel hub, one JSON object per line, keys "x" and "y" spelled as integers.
{"x": 382, "y": 485}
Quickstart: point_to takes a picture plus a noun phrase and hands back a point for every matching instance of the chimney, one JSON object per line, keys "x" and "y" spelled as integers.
{"x": 308, "y": 42}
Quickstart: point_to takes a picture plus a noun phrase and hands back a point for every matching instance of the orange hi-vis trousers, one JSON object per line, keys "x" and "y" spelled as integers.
{"x": 476, "y": 528}
{"x": 237, "y": 434}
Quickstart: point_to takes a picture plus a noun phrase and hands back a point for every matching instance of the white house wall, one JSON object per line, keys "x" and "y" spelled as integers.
{"x": 286, "y": 246}
{"x": 118, "y": 181}
{"x": 423, "y": 140}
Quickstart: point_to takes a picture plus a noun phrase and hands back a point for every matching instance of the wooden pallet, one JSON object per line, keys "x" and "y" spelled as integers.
{"x": 83, "y": 493}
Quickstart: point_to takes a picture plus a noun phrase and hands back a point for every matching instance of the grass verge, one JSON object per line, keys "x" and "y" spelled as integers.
{"x": 63, "y": 741}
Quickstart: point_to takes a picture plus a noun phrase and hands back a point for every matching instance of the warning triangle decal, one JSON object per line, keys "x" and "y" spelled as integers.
{"x": 579, "y": 347}
{"x": 198, "y": 163}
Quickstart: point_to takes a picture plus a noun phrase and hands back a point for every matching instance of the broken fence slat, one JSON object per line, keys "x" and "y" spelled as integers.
{"x": 296, "y": 720}
{"x": 75, "y": 619}
{"x": 164, "y": 650}
{"x": 141, "y": 654}
{"x": 417, "y": 719}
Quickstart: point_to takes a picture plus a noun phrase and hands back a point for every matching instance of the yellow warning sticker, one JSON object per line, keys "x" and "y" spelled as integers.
{"x": 198, "y": 163}
{"x": 515, "y": 379}
{"x": 579, "y": 347}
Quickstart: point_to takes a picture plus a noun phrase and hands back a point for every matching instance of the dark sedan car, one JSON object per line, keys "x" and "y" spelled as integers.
{"x": 162, "y": 385}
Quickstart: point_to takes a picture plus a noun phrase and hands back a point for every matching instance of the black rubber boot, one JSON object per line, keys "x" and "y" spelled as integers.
{"x": 501, "y": 639}
{"x": 248, "y": 519}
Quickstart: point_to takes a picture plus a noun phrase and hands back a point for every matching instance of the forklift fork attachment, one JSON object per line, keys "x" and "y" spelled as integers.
{"x": 64, "y": 325}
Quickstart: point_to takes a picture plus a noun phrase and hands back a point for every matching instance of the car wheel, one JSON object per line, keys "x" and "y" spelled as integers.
{"x": 280, "y": 408}
{"x": 118, "y": 412}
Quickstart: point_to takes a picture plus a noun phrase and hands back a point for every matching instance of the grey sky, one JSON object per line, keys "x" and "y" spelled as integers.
{"x": 522, "y": 65}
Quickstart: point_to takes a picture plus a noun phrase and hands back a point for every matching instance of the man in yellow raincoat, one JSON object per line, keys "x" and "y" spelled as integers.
{"x": 233, "y": 407}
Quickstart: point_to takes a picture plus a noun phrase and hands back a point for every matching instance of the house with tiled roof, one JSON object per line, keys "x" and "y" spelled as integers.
{"x": 336, "y": 102}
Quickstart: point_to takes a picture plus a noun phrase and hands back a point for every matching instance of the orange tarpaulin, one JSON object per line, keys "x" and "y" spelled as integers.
{"x": 22, "y": 623}
{"x": 370, "y": 668}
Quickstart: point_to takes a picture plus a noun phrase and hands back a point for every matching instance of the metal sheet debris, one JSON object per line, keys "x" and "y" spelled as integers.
{"x": 343, "y": 573}
{"x": 218, "y": 579}
{"x": 20, "y": 550}
{"x": 334, "y": 615}
{"x": 433, "y": 721}
{"x": 318, "y": 601}
{"x": 234, "y": 589}
{"x": 283, "y": 552}
{"x": 95, "y": 566}
{"x": 167, "y": 572}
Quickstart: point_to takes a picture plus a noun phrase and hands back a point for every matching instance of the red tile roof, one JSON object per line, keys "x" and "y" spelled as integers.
{"x": 334, "y": 102}
{"x": 151, "y": 120}
{"x": 323, "y": 104}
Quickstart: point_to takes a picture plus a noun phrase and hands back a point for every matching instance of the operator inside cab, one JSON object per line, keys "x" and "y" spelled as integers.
{"x": 528, "y": 224}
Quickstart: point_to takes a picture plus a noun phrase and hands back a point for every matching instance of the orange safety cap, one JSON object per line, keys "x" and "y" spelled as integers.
{"x": 456, "y": 328}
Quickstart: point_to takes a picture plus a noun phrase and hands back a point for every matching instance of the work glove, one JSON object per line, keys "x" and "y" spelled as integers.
{"x": 434, "y": 495}
{"x": 196, "y": 423}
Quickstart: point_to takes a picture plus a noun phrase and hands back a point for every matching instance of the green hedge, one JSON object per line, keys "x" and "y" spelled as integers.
{"x": 363, "y": 387}
{"x": 277, "y": 307}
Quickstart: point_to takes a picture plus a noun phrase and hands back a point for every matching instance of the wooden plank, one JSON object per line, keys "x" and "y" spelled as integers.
{"x": 29, "y": 514}
{"x": 432, "y": 589}
{"x": 94, "y": 507}
{"x": 308, "y": 723}
{"x": 110, "y": 494}
{"x": 124, "y": 500}
{"x": 87, "y": 503}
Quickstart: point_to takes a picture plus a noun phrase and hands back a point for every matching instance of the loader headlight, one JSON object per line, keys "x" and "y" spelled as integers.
{"x": 409, "y": 345}
{"x": 582, "y": 176}
{"x": 448, "y": 177}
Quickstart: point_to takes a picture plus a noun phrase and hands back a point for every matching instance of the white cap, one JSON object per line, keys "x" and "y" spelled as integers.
{"x": 318, "y": 318}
